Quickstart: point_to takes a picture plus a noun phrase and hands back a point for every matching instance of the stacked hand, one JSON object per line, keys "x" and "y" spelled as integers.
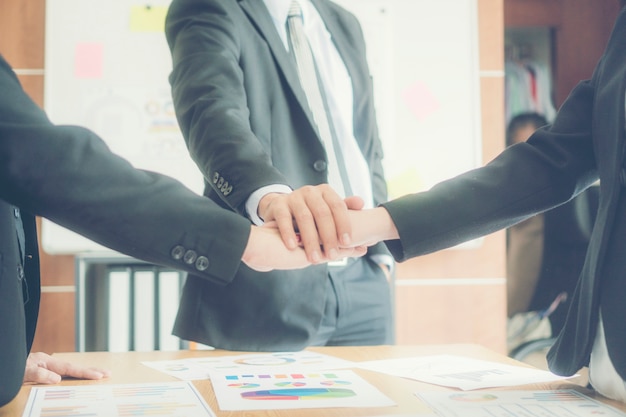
{"x": 311, "y": 225}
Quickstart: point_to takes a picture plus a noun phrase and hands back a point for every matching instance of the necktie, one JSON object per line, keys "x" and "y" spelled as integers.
{"x": 312, "y": 86}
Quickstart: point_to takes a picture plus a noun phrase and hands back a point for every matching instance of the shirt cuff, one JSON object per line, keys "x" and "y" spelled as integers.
{"x": 387, "y": 260}
{"x": 252, "y": 205}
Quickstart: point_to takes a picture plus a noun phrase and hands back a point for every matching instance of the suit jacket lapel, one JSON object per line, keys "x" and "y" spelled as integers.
{"x": 260, "y": 17}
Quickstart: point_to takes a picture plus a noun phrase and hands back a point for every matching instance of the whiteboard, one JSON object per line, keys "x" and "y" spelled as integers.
{"x": 107, "y": 65}
{"x": 423, "y": 55}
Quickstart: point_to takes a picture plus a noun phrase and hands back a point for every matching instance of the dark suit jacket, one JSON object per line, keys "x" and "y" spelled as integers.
{"x": 586, "y": 142}
{"x": 68, "y": 175}
{"x": 244, "y": 116}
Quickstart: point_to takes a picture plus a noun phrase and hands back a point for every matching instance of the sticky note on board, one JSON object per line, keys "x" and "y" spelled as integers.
{"x": 420, "y": 100}
{"x": 88, "y": 60}
{"x": 147, "y": 18}
{"x": 404, "y": 182}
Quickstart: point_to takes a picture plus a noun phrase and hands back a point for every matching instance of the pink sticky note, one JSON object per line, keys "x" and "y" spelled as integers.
{"x": 420, "y": 100}
{"x": 88, "y": 60}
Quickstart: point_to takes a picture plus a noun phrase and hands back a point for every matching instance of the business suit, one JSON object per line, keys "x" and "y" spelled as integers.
{"x": 67, "y": 174}
{"x": 232, "y": 71}
{"x": 585, "y": 143}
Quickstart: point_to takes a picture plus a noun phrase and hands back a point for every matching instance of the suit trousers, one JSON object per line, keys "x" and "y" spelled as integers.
{"x": 359, "y": 308}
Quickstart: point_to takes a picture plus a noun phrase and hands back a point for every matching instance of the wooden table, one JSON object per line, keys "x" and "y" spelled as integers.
{"x": 127, "y": 368}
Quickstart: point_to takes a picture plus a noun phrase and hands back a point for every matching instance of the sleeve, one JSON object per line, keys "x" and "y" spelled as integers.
{"x": 68, "y": 175}
{"x": 553, "y": 166}
{"x": 210, "y": 100}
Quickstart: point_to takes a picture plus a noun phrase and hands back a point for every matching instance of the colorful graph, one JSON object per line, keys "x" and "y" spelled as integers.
{"x": 63, "y": 394}
{"x": 154, "y": 390}
{"x": 201, "y": 367}
{"x": 279, "y": 376}
{"x": 557, "y": 396}
{"x": 153, "y": 409}
{"x": 294, "y": 389}
{"x": 335, "y": 382}
{"x": 298, "y": 394}
{"x": 290, "y": 384}
{"x": 67, "y": 411}
{"x": 244, "y": 385}
{"x": 516, "y": 403}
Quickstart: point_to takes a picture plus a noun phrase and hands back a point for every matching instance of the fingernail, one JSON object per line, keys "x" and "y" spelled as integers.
{"x": 316, "y": 257}
{"x": 345, "y": 239}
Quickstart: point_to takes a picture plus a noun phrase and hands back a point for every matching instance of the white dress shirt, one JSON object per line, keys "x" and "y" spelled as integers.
{"x": 338, "y": 89}
{"x": 602, "y": 374}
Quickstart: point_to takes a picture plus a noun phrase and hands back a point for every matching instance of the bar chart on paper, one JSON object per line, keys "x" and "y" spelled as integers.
{"x": 174, "y": 399}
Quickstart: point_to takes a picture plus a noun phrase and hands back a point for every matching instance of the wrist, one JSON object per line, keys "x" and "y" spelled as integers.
{"x": 250, "y": 251}
{"x": 384, "y": 225}
{"x": 264, "y": 203}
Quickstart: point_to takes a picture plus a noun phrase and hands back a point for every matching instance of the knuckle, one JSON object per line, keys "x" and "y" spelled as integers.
{"x": 303, "y": 215}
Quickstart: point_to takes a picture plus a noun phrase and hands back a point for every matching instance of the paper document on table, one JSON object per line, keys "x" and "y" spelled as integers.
{"x": 459, "y": 372}
{"x": 553, "y": 403}
{"x": 200, "y": 368}
{"x": 294, "y": 389}
{"x": 169, "y": 399}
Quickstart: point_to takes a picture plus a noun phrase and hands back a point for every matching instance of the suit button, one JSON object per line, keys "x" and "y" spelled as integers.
{"x": 177, "y": 252}
{"x": 319, "y": 165}
{"x": 16, "y": 212}
{"x": 216, "y": 177}
{"x": 202, "y": 263}
{"x": 190, "y": 257}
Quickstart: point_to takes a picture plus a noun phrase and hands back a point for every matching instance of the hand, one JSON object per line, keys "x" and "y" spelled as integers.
{"x": 266, "y": 251}
{"x": 42, "y": 368}
{"x": 371, "y": 226}
{"x": 318, "y": 213}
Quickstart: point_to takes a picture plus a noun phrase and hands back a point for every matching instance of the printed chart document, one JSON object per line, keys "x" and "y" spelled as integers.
{"x": 459, "y": 372}
{"x": 555, "y": 403}
{"x": 200, "y": 368}
{"x": 169, "y": 399}
{"x": 294, "y": 389}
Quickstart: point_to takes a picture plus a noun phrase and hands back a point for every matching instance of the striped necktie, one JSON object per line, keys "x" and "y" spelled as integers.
{"x": 312, "y": 86}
